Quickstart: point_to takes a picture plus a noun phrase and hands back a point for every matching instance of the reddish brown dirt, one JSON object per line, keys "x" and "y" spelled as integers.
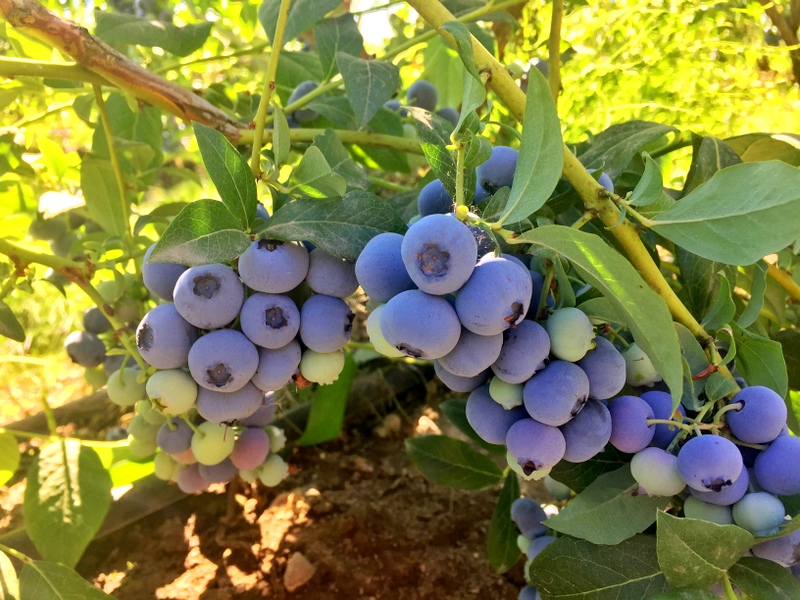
{"x": 367, "y": 523}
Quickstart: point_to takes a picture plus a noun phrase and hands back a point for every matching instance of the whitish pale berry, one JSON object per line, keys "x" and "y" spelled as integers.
{"x": 322, "y": 367}
{"x": 212, "y": 443}
{"x": 174, "y": 390}
{"x": 273, "y": 471}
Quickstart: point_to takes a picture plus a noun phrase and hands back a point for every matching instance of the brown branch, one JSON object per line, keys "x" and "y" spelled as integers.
{"x": 788, "y": 33}
{"x": 96, "y": 56}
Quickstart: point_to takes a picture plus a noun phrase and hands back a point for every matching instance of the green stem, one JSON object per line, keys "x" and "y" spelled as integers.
{"x": 636, "y": 215}
{"x": 16, "y": 554}
{"x": 361, "y": 138}
{"x": 389, "y": 185}
{"x": 670, "y": 422}
{"x": 554, "y": 49}
{"x": 24, "y": 67}
{"x": 461, "y": 152}
{"x": 57, "y": 438}
{"x": 269, "y": 85}
{"x": 586, "y": 217}
{"x": 721, "y": 412}
{"x": 548, "y": 281}
{"x": 726, "y": 582}
{"x": 254, "y": 49}
{"x": 49, "y": 415}
{"x": 53, "y": 110}
{"x": 19, "y": 254}
{"x": 351, "y": 345}
{"x": 192, "y": 426}
{"x": 115, "y": 164}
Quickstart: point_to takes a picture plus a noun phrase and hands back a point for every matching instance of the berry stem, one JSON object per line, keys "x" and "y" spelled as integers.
{"x": 269, "y": 85}
{"x": 460, "y": 154}
{"x": 670, "y": 422}
{"x": 721, "y": 412}
{"x": 192, "y": 426}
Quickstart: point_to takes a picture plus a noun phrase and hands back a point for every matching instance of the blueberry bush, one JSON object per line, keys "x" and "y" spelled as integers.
{"x": 612, "y": 302}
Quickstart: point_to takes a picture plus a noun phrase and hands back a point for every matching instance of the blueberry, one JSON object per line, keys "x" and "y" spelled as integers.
{"x": 661, "y": 403}
{"x": 456, "y": 383}
{"x": 223, "y": 360}
{"x": 629, "y": 429}
{"x": 694, "y": 508}
{"x": 380, "y": 269}
{"x": 175, "y": 440}
{"x": 656, "y": 471}
{"x": 557, "y": 393}
{"x": 251, "y": 449}
{"x": 571, "y": 334}
{"x": 535, "y": 446}
{"x": 490, "y": 420}
{"x": 94, "y": 321}
{"x": 420, "y": 325}
{"x": 587, "y": 433}
{"x": 273, "y": 266}
{"x": 321, "y": 367}
{"x": 277, "y": 366}
{"x": 433, "y": 199}
{"x": 761, "y": 418}
{"x": 473, "y": 354}
{"x": 529, "y": 516}
{"x": 777, "y": 468}
{"x": 604, "y": 365}
{"x": 164, "y": 338}
{"x": 303, "y": 115}
{"x": 439, "y": 253}
{"x": 760, "y": 513}
{"x": 709, "y": 463}
{"x": 422, "y": 94}
{"x": 331, "y": 275}
{"x": 498, "y": 170}
{"x": 727, "y": 494}
{"x": 85, "y": 349}
{"x": 222, "y": 472}
{"x": 525, "y": 348}
{"x": 270, "y": 320}
{"x": 449, "y": 113}
{"x": 160, "y": 278}
{"x": 210, "y": 296}
{"x": 226, "y": 407}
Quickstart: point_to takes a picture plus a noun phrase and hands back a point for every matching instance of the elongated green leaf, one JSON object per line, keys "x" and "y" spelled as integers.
{"x": 614, "y": 148}
{"x": 741, "y": 214}
{"x": 474, "y": 94}
{"x": 9, "y": 584}
{"x": 10, "y": 327}
{"x": 609, "y": 510}
{"x": 231, "y": 176}
{"x": 501, "y": 541}
{"x": 42, "y": 580}
{"x": 718, "y": 386}
{"x": 578, "y": 476}
{"x": 101, "y": 192}
{"x": 434, "y": 137}
{"x": 302, "y": 15}
{"x": 709, "y": 156}
{"x": 338, "y": 111}
{"x": 67, "y": 495}
{"x": 723, "y": 309}
{"x": 685, "y": 595}
{"x": 204, "y": 232}
{"x": 701, "y": 280}
{"x": 447, "y": 461}
{"x": 389, "y": 122}
{"x": 456, "y": 413}
{"x": 327, "y": 407}
{"x": 643, "y": 311}
{"x": 756, "y": 303}
{"x": 314, "y": 177}
{"x": 444, "y": 66}
{"x": 789, "y": 339}
{"x": 340, "y": 34}
{"x": 339, "y": 160}
{"x": 760, "y": 360}
{"x": 763, "y": 579}
{"x": 573, "y": 569}
{"x": 281, "y": 142}
{"x": 340, "y": 226}
{"x": 695, "y": 553}
{"x": 368, "y": 84}
{"x": 758, "y": 147}
{"x": 9, "y": 457}
{"x": 540, "y": 154}
{"x": 120, "y": 28}
{"x": 650, "y": 186}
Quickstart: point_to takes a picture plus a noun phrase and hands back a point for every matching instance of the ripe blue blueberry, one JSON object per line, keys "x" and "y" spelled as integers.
{"x": 210, "y": 296}
{"x": 709, "y": 463}
{"x": 490, "y": 420}
{"x": 276, "y": 367}
{"x": 94, "y": 321}
{"x": 326, "y": 323}
{"x": 629, "y": 429}
{"x": 449, "y": 113}
{"x": 222, "y": 472}
{"x": 525, "y": 348}
{"x": 456, "y": 383}
{"x": 777, "y": 469}
{"x": 783, "y": 550}
{"x": 433, "y": 199}
{"x": 85, "y": 349}
{"x": 420, "y": 325}
{"x": 728, "y": 494}
{"x": 164, "y": 338}
{"x": 473, "y": 354}
{"x": 535, "y": 446}
{"x": 498, "y": 170}
{"x": 529, "y": 516}
{"x": 175, "y": 440}
{"x": 587, "y": 433}
{"x": 270, "y": 320}
{"x": 226, "y": 407}
{"x": 556, "y": 393}
{"x": 223, "y": 360}
{"x": 251, "y": 449}
{"x": 439, "y": 253}
{"x": 303, "y": 115}
{"x": 661, "y": 403}
{"x": 604, "y": 365}
{"x": 380, "y": 268}
{"x": 159, "y": 278}
{"x": 273, "y": 266}
{"x": 422, "y": 94}
{"x": 331, "y": 275}
{"x": 761, "y": 418}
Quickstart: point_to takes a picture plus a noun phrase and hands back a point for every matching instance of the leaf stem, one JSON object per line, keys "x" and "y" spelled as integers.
{"x": 16, "y": 554}
{"x": 784, "y": 279}
{"x": 586, "y": 217}
{"x": 670, "y": 422}
{"x": 554, "y": 49}
{"x": 461, "y": 151}
{"x": 726, "y": 582}
{"x": 269, "y": 85}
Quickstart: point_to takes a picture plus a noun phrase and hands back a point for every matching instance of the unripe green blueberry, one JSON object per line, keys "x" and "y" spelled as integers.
{"x": 172, "y": 389}
{"x": 322, "y": 367}
{"x": 124, "y": 388}
{"x": 694, "y": 508}
{"x": 273, "y": 471}
{"x": 507, "y": 394}
{"x": 376, "y": 335}
{"x": 212, "y": 443}
{"x": 249, "y": 476}
{"x": 571, "y": 334}
{"x": 140, "y": 429}
{"x": 277, "y": 438}
{"x": 141, "y": 448}
{"x": 559, "y": 490}
{"x": 639, "y": 369}
{"x": 523, "y": 543}
{"x": 149, "y": 412}
{"x": 165, "y": 467}
{"x": 657, "y": 472}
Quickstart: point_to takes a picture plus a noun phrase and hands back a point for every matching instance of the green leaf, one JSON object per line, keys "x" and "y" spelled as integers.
{"x": 338, "y": 111}
{"x": 573, "y": 569}
{"x": 719, "y": 222}
{"x": 700, "y": 280}
{"x": 204, "y": 232}
{"x": 709, "y": 156}
{"x": 314, "y": 177}
{"x": 281, "y": 141}
{"x": 9, "y": 584}
{"x": 444, "y": 66}
{"x": 578, "y": 476}
{"x": 614, "y": 148}
{"x": 696, "y": 553}
{"x": 763, "y": 579}
{"x": 650, "y": 186}
{"x": 760, "y": 360}
{"x": 388, "y": 122}
{"x": 336, "y": 35}
{"x": 339, "y": 160}
{"x": 541, "y": 152}
{"x": 230, "y": 173}
{"x": 456, "y": 413}
{"x": 368, "y": 84}
{"x": 758, "y": 147}
{"x": 9, "y": 457}
{"x": 789, "y": 339}
{"x": 9, "y": 325}
{"x": 327, "y": 407}
{"x": 501, "y": 541}
{"x": 117, "y": 28}
{"x": 42, "y": 580}
{"x": 295, "y": 68}
{"x": 608, "y": 511}
{"x": 67, "y": 495}
{"x": 434, "y": 137}
{"x": 447, "y": 461}
{"x": 723, "y": 309}
{"x": 718, "y": 386}
{"x": 340, "y": 226}
{"x": 600, "y": 308}
{"x": 685, "y": 595}
{"x": 474, "y": 93}
{"x": 302, "y": 15}
{"x": 757, "y": 290}
{"x": 101, "y": 192}
{"x": 642, "y": 310}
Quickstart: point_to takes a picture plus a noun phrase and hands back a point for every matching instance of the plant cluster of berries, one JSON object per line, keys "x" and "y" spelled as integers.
{"x": 220, "y": 345}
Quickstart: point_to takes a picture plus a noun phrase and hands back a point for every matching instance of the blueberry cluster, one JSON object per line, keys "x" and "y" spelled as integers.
{"x": 529, "y": 517}
{"x": 423, "y": 94}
